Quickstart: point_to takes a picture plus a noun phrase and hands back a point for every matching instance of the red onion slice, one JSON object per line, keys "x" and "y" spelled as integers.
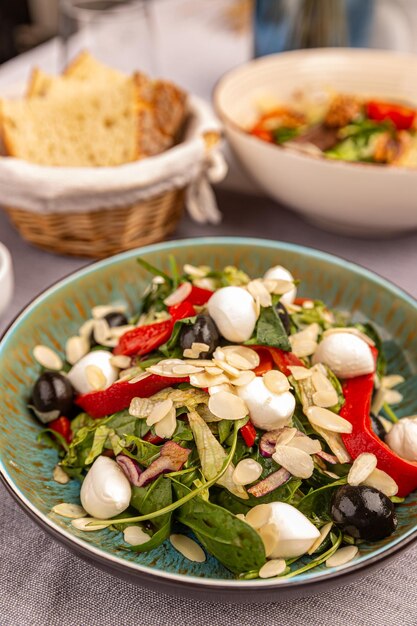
{"x": 271, "y": 482}
{"x": 330, "y": 458}
{"x": 130, "y": 468}
{"x": 171, "y": 459}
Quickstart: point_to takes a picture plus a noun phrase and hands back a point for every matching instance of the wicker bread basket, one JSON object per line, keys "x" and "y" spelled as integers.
{"x": 112, "y": 222}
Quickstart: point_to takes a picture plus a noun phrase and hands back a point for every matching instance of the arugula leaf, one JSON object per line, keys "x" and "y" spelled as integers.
{"x": 230, "y": 540}
{"x": 141, "y": 451}
{"x": 170, "y": 348}
{"x": 317, "y": 502}
{"x": 154, "y": 270}
{"x": 270, "y": 330}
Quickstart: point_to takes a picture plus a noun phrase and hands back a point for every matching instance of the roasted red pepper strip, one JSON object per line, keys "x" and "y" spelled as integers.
{"x": 151, "y": 438}
{"x": 265, "y": 362}
{"x": 402, "y": 117}
{"x": 119, "y": 395}
{"x": 199, "y": 296}
{"x": 283, "y": 360}
{"x": 145, "y": 339}
{"x": 62, "y": 426}
{"x": 248, "y": 433}
{"x": 356, "y": 410}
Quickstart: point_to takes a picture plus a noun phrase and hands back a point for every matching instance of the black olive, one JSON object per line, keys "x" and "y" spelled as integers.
{"x": 378, "y": 427}
{"x": 363, "y": 512}
{"x": 204, "y": 330}
{"x": 53, "y": 392}
{"x": 284, "y": 317}
{"x": 113, "y": 319}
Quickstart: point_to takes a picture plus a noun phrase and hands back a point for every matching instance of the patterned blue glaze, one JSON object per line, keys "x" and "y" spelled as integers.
{"x": 58, "y": 313}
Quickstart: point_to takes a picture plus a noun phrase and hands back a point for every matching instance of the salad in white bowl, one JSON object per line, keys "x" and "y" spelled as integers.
{"x": 231, "y": 418}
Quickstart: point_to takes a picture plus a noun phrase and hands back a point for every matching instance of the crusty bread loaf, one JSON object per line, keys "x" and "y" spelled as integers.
{"x": 94, "y": 125}
{"x": 40, "y": 131}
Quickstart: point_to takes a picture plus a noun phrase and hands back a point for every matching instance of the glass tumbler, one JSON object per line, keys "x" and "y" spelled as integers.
{"x": 117, "y": 32}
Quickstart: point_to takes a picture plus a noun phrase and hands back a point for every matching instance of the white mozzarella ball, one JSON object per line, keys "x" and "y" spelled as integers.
{"x": 267, "y": 410}
{"x": 106, "y": 491}
{"x": 402, "y": 438}
{"x": 281, "y": 273}
{"x": 101, "y": 359}
{"x": 233, "y": 310}
{"x": 286, "y": 532}
{"x": 346, "y": 354}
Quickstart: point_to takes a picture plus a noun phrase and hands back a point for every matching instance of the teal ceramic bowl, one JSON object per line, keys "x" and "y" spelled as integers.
{"x": 26, "y": 467}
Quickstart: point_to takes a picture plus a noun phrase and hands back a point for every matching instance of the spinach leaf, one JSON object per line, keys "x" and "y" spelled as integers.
{"x": 230, "y": 540}
{"x": 224, "y": 429}
{"x": 270, "y": 330}
{"x": 224, "y": 498}
{"x": 284, "y": 493}
{"x": 142, "y": 451}
{"x": 151, "y": 498}
{"x": 317, "y": 502}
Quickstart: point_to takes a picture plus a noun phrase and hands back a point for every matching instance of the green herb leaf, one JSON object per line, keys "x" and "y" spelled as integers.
{"x": 283, "y": 134}
{"x": 270, "y": 330}
{"x": 233, "y": 542}
{"x": 154, "y": 270}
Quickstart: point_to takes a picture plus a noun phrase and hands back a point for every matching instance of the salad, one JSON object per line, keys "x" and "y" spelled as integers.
{"x": 344, "y": 127}
{"x": 232, "y": 418}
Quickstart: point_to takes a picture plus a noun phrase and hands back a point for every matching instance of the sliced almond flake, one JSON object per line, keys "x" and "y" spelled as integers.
{"x": 293, "y": 308}
{"x": 165, "y": 428}
{"x": 86, "y": 329}
{"x": 383, "y": 482}
{"x": 188, "y": 548}
{"x": 392, "y": 381}
{"x": 219, "y": 354}
{"x": 72, "y": 511}
{"x": 342, "y": 556}
{"x": 299, "y": 372}
{"x": 135, "y": 536}
{"x": 335, "y": 443}
{"x": 325, "y": 399}
{"x": 331, "y": 475}
{"x": 184, "y": 369}
{"x": 165, "y": 368}
{"x": 46, "y": 357}
{"x": 276, "y": 381}
{"x": 138, "y": 377}
{"x": 159, "y": 411}
{"x": 60, "y": 476}
{"x": 393, "y": 397}
{"x": 118, "y": 331}
{"x": 378, "y": 400}
{"x": 257, "y": 306}
{"x": 241, "y": 517}
{"x": 189, "y": 354}
{"x": 306, "y": 444}
{"x": 75, "y": 348}
{"x": 324, "y": 531}
{"x": 273, "y": 568}
{"x": 303, "y": 347}
{"x": 179, "y": 295}
{"x": 101, "y": 331}
{"x": 227, "y": 406}
{"x": 101, "y": 310}
{"x": 197, "y": 272}
{"x": 270, "y": 538}
{"x": 82, "y": 523}
{"x": 258, "y": 516}
{"x": 318, "y": 416}
{"x": 205, "y": 283}
{"x": 361, "y": 468}
{"x": 243, "y": 379}
{"x": 203, "y": 380}
{"x": 246, "y": 472}
{"x": 158, "y": 280}
{"x": 349, "y": 331}
{"x": 229, "y": 369}
{"x": 241, "y": 357}
{"x": 199, "y": 362}
{"x": 297, "y": 462}
{"x": 310, "y": 332}
{"x": 278, "y": 286}
{"x": 320, "y": 380}
{"x": 257, "y": 289}
{"x": 199, "y": 347}
{"x": 95, "y": 377}
{"x": 214, "y": 371}
{"x": 286, "y": 436}
{"x": 224, "y": 387}
{"x": 308, "y": 304}
{"x": 121, "y": 361}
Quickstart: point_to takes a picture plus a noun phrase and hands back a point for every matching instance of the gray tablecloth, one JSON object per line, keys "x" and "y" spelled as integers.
{"x": 43, "y": 584}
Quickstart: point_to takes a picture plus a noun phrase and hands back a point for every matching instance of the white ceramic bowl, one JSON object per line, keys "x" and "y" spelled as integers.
{"x": 6, "y": 278}
{"x": 360, "y": 199}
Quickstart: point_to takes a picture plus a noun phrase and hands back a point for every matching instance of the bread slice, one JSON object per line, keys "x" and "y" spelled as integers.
{"x": 86, "y": 67}
{"x": 39, "y": 83}
{"x": 93, "y": 125}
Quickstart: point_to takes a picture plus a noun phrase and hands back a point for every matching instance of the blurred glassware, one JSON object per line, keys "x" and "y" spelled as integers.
{"x": 105, "y": 26}
{"x": 281, "y": 25}
{"x": 6, "y": 278}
